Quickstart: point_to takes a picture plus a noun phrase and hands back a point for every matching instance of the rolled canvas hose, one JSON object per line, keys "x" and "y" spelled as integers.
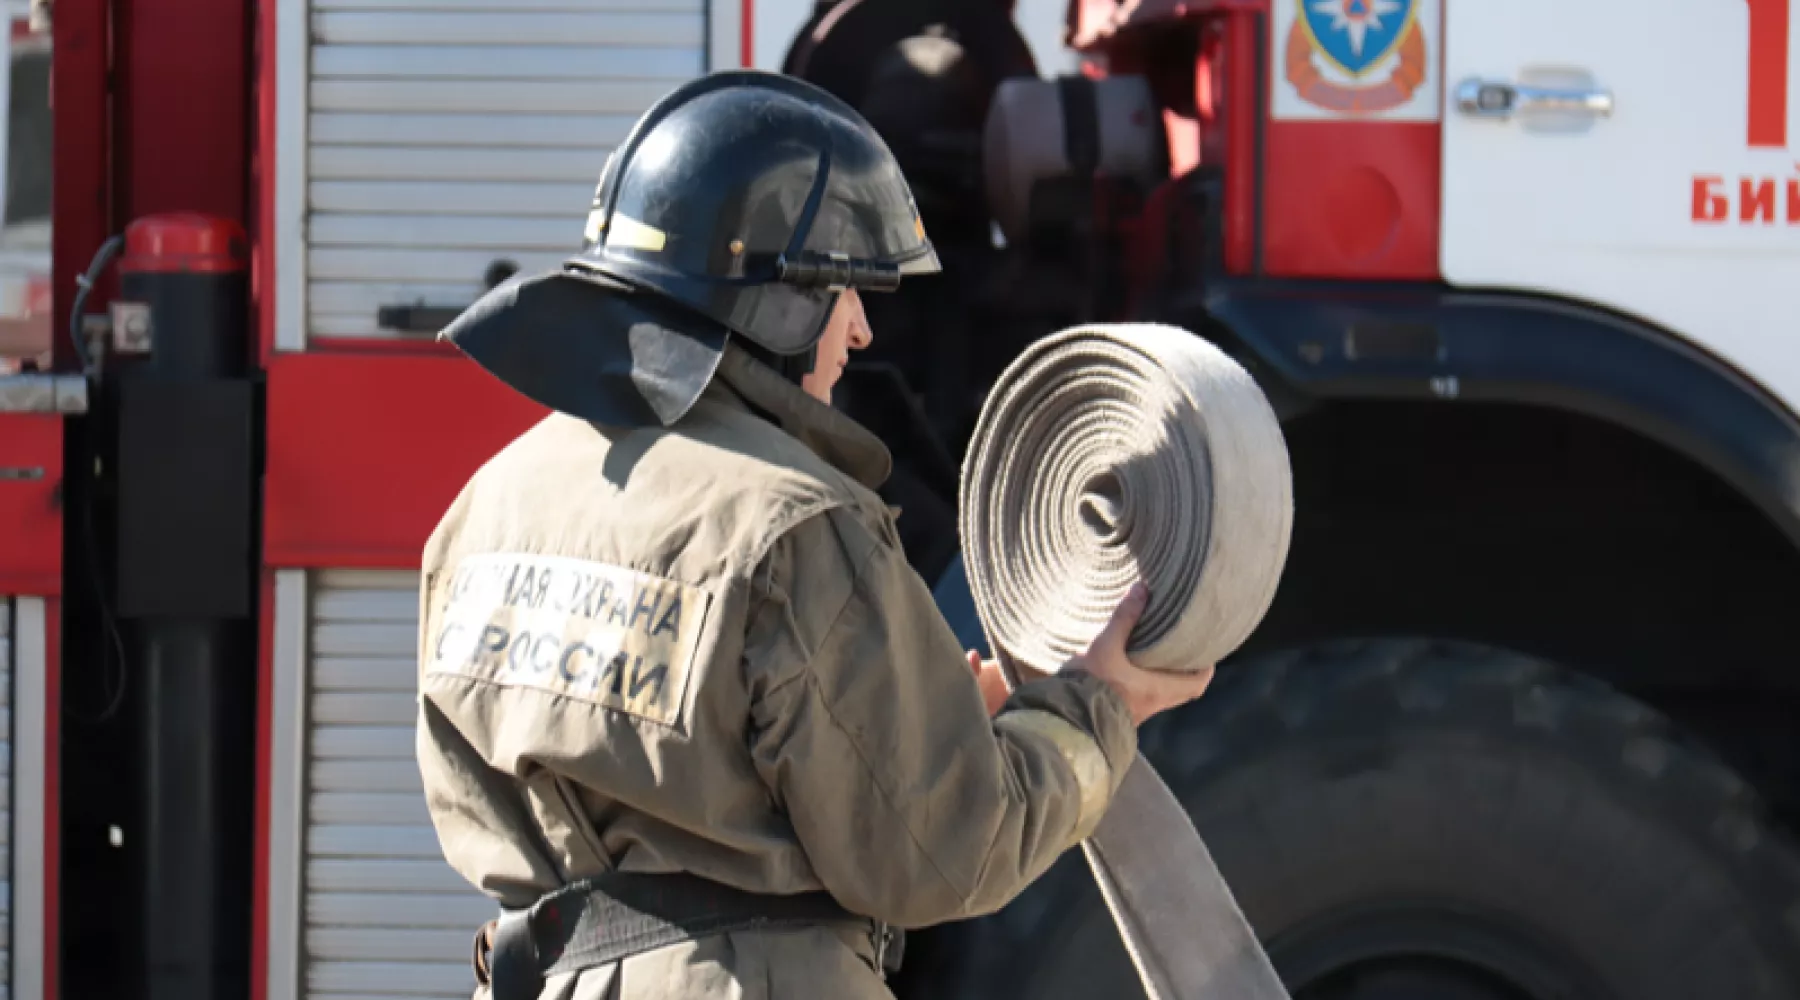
{"x": 1104, "y": 454}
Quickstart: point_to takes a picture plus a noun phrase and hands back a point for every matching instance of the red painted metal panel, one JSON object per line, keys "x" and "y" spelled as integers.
{"x": 81, "y": 157}
{"x": 31, "y": 469}
{"x": 1351, "y": 199}
{"x": 366, "y": 452}
{"x": 183, "y": 108}
{"x": 1241, "y": 56}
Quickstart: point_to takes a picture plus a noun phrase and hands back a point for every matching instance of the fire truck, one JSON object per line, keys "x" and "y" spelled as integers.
{"x": 1517, "y": 277}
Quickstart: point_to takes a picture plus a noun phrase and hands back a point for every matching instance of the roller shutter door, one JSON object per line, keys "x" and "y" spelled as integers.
{"x": 384, "y": 915}
{"x": 26, "y": 627}
{"x": 6, "y": 758}
{"x": 445, "y": 135}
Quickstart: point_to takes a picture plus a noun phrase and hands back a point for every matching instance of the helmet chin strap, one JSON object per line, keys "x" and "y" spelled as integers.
{"x": 795, "y": 367}
{"x": 792, "y": 367}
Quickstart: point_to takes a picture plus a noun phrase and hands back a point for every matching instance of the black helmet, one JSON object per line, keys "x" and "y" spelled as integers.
{"x": 754, "y": 199}
{"x": 743, "y": 202}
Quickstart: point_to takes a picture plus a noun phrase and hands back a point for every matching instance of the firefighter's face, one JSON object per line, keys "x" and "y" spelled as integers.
{"x": 846, "y": 331}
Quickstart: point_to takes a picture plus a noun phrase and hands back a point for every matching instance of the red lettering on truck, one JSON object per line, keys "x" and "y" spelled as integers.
{"x": 1759, "y": 200}
{"x": 1756, "y": 199}
{"x": 1709, "y": 204}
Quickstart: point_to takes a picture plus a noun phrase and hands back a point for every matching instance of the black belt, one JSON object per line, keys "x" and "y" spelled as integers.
{"x": 614, "y": 916}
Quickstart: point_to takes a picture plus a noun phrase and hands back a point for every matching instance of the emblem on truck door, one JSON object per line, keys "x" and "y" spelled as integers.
{"x": 1355, "y": 57}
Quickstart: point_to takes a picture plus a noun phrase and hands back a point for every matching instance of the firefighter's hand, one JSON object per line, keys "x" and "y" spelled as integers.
{"x": 993, "y": 682}
{"x": 1145, "y": 692}
{"x": 988, "y": 677}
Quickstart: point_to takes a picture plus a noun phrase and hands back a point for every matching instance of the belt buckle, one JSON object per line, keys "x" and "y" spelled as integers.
{"x": 514, "y": 969}
{"x": 883, "y": 936}
{"x": 484, "y": 938}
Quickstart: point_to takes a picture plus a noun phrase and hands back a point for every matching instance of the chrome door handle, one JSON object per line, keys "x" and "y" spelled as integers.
{"x": 1499, "y": 99}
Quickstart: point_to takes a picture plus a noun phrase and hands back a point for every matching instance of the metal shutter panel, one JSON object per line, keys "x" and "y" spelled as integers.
{"x": 443, "y": 135}
{"x": 6, "y": 809}
{"x": 384, "y": 916}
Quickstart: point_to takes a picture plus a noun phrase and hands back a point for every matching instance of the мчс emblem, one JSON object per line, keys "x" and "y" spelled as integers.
{"x": 1356, "y": 56}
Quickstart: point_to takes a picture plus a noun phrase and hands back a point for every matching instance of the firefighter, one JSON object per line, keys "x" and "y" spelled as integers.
{"x": 842, "y": 42}
{"x": 686, "y": 713}
{"x": 923, "y": 73}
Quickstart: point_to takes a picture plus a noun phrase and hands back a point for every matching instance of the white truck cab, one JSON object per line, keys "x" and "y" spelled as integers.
{"x": 1643, "y": 157}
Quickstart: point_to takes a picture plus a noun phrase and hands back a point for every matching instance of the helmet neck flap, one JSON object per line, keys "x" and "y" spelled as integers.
{"x": 741, "y": 205}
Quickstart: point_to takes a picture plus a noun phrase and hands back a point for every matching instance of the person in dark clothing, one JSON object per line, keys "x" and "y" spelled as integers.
{"x": 844, "y": 40}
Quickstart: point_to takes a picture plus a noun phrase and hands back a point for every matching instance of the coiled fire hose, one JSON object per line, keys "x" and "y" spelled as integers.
{"x": 1106, "y": 454}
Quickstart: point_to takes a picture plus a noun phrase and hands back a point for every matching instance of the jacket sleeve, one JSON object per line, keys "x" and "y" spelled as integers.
{"x": 913, "y": 806}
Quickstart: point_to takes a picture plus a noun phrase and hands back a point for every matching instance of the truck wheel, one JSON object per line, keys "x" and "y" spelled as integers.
{"x": 1409, "y": 819}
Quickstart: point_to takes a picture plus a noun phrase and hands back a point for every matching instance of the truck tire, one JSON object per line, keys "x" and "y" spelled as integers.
{"x": 1405, "y": 819}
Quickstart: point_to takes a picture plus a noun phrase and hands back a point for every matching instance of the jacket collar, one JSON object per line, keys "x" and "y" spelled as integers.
{"x": 834, "y": 437}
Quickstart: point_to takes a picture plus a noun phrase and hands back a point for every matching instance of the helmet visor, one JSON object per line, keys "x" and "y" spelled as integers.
{"x": 868, "y": 213}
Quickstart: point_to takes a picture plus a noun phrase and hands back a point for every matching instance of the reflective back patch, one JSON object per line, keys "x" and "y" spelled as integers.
{"x": 586, "y": 630}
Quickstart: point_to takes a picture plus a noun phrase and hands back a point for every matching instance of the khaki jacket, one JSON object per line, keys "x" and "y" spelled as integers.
{"x": 700, "y": 648}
